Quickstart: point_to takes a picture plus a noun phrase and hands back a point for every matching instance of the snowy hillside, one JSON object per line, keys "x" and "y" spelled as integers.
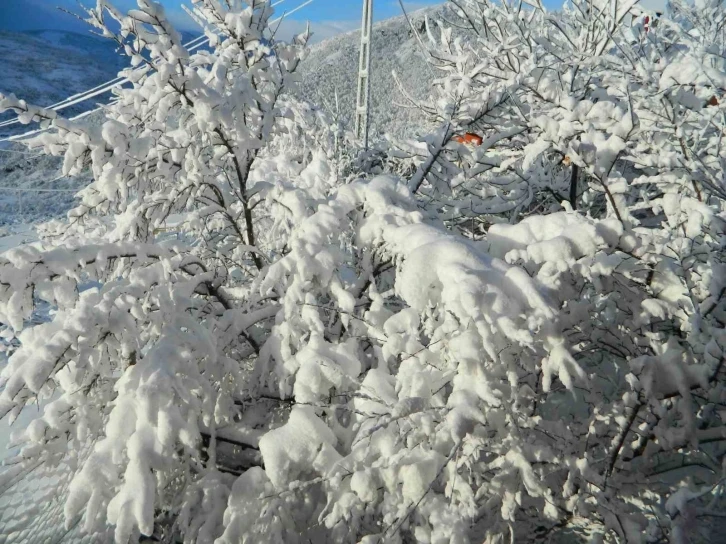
{"x": 43, "y": 68}
{"x": 43, "y": 195}
{"x": 46, "y": 67}
{"x": 332, "y": 66}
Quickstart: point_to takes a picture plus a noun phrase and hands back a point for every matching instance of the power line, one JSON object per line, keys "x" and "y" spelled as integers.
{"x": 38, "y": 131}
{"x": 28, "y": 190}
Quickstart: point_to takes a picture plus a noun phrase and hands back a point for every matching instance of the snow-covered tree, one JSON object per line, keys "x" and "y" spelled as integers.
{"x": 624, "y": 125}
{"x": 508, "y": 342}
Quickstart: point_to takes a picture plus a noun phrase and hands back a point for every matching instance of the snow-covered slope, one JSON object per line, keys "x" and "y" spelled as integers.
{"x": 43, "y": 68}
{"x": 30, "y": 187}
{"x": 332, "y": 66}
{"x": 47, "y": 66}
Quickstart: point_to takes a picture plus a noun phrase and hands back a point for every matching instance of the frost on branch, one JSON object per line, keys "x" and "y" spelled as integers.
{"x": 510, "y": 341}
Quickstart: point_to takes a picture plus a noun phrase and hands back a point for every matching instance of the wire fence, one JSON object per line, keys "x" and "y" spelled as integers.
{"x": 20, "y": 191}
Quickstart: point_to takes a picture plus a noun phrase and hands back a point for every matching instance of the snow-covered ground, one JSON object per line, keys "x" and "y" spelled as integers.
{"x": 31, "y": 188}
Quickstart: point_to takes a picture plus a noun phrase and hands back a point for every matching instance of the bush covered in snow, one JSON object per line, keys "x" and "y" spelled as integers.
{"x": 517, "y": 341}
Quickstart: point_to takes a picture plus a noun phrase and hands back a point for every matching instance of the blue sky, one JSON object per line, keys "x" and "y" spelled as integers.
{"x": 322, "y": 10}
{"x": 327, "y": 17}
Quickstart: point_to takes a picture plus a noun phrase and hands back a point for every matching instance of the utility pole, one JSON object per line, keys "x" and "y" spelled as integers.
{"x": 362, "y": 108}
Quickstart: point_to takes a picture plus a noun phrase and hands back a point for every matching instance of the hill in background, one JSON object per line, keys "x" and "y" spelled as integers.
{"x": 45, "y": 67}
{"x": 332, "y": 66}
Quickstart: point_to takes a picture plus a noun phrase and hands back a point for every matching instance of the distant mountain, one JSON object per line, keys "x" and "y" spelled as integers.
{"x": 44, "y": 67}
{"x": 24, "y": 15}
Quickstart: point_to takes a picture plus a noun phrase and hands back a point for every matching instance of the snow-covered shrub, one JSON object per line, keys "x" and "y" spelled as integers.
{"x": 623, "y": 124}
{"x": 242, "y": 348}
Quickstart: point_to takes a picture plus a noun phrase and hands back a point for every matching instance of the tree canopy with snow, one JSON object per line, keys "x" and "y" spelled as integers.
{"x": 250, "y": 330}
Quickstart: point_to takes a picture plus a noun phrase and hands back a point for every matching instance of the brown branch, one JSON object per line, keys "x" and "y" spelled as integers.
{"x": 613, "y": 457}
